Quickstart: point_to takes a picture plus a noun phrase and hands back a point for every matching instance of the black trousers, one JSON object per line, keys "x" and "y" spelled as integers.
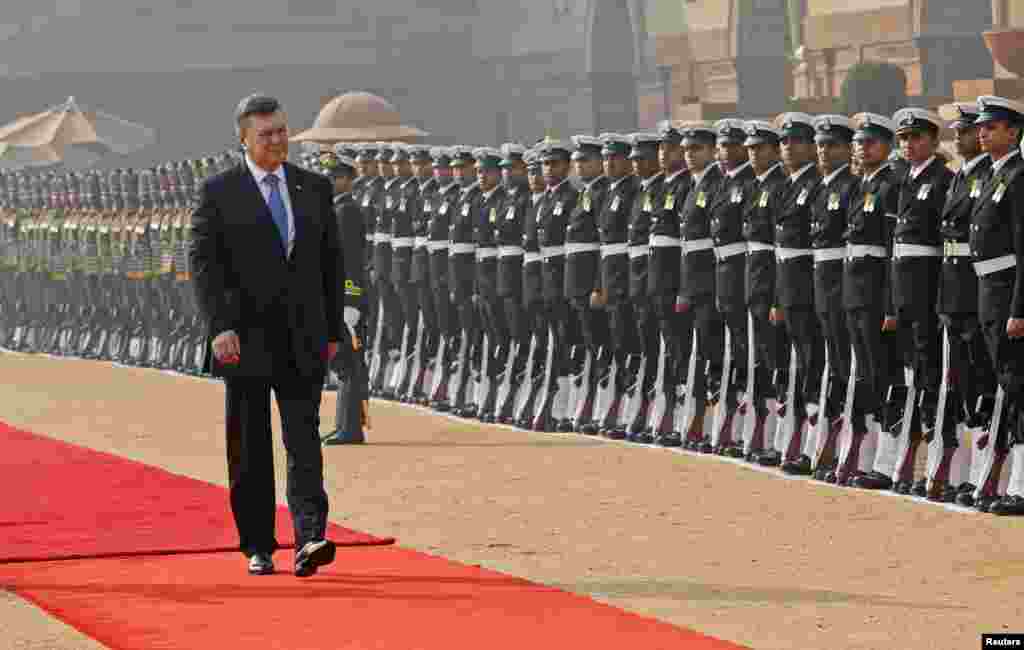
{"x": 805, "y": 332}
{"x": 390, "y": 309}
{"x": 918, "y": 334}
{"x": 250, "y": 454}
{"x": 771, "y": 351}
{"x": 972, "y": 373}
{"x": 877, "y": 368}
{"x": 677, "y": 331}
{"x": 837, "y": 342}
{"x": 736, "y": 322}
{"x": 428, "y": 310}
{"x": 646, "y": 335}
{"x": 1008, "y": 363}
{"x": 519, "y": 331}
{"x": 355, "y": 388}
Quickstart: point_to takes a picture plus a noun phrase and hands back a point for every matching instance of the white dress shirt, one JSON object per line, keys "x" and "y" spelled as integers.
{"x": 282, "y": 187}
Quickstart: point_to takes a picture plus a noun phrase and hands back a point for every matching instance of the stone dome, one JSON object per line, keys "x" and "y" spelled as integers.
{"x": 358, "y": 117}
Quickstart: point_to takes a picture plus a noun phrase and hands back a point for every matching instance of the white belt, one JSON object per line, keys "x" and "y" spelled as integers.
{"x": 829, "y": 254}
{"x": 461, "y": 249}
{"x": 915, "y": 250}
{"x": 865, "y": 250}
{"x": 370, "y": 236}
{"x": 486, "y": 253}
{"x": 530, "y": 257}
{"x": 401, "y": 242}
{"x": 510, "y": 251}
{"x": 381, "y": 237}
{"x": 437, "y": 245}
{"x": 995, "y": 265}
{"x": 730, "y": 250}
{"x": 956, "y": 249}
{"x": 419, "y": 242}
{"x": 547, "y": 252}
{"x": 695, "y": 245}
{"x": 581, "y": 247}
{"x": 642, "y": 250}
{"x": 783, "y": 254}
{"x": 664, "y": 241}
{"x": 607, "y": 250}
{"x": 759, "y": 247}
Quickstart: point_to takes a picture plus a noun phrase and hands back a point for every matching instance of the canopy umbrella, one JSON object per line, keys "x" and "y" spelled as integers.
{"x": 69, "y": 136}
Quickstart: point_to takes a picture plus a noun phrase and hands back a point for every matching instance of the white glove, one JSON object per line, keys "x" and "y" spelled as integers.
{"x": 352, "y": 318}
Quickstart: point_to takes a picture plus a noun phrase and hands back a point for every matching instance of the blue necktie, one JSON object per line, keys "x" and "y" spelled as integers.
{"x": 277, "y": 209}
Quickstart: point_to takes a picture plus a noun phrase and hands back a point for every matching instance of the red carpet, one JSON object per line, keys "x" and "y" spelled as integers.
{"x": 387, "y": 598}
{"x": 61, "y": 501}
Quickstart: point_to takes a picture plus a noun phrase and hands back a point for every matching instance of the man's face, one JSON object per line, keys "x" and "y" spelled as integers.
{"x": 443, "y": 174}
{"x": 402, "y": 168}
{"x": 536, "y": 181}
{"x": 645, "y": 167}
{"x": 796, "y": 152}
{"x": 698, "y": 156}
{"x": 917, "y": 146}
{"x": 670, "y": 157}
{"x": 763, "y": 156}
{"x": 488, "y": 177}
{"x": 555, "y": 171}
{"x": 617, "y": 166}
{"x": 421, "y": 168}
{"x": 587, "y": 169}
{"x": 967, "y": 144}
{"x": 514, "y": 173}
{"x": 266, "y": 139}
{"x": 342, "y": 184}
{"x": 367, "y": 168}
{"x": 871, "y": 153}
{"x": 464, "y": 174}
{"x": 997, "y": 138}
{"x": 832, "y": 155}
{"x": 731, "y": 155}
{"x": 387, "y": 170}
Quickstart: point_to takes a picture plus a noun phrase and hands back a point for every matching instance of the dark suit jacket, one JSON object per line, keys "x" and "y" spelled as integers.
{"x": 284, "y": 309}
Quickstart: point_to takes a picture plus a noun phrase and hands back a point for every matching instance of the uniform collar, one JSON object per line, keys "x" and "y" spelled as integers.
{"x": 868, "y": 179}
{"x": 699, "y": 176}
{"x": 969, "y": 166}
{"x": 647, "y": 182}
{"x": 762, "y": 177}
{"x": 831, "y": 177}
{"x": 795, "y": 176}
{"x": 999, "y": 164}
{"x": 916, "y": 171}
{"x": 675, "y": 175}
{"x": 734, "y": 173}
{"x": 552, "y": 190}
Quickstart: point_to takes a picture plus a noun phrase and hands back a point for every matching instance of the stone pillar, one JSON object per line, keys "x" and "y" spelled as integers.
{"x": 612, "y": 64}
{"x": 763, "y": 69}
{"x": 950, "y": 44}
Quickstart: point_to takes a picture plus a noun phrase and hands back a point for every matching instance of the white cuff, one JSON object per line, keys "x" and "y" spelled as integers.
{"x": 352, "y": 317}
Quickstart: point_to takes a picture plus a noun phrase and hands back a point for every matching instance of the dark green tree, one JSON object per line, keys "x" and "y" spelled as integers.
{"x": 875, "y": 88}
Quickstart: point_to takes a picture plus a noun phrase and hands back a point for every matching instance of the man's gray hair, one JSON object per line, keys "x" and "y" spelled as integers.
{"x": 255, "y": 104}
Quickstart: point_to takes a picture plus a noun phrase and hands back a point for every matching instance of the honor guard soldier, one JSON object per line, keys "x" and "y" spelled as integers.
{"x": 730, "y": 267}
{"x": 997, "y": 245}
{"x": 511, "y": 219}
{"x": 967, "y": 371}
{"x": 914, "y": 276}
{"x": 560, "y": 199}
{"x": 533, "y": 291}
{"x": 462, "y": 271}
{"x": 419, "y": 273}
{"x": 644, "y": 156}
{"x": 866, "y": 294}
{"x": 612, "y": 292}
{"x": 663, "y": 280}
{"x": 438, "y": 233}
{"x": 352, "y": 403}
{"x": 380, "y": 199}
{"x": 582, "y": 262}
{"x": 794, "y": 285}
{"x": 771, "y": 348}
{"x": 487, "y": 235}
{"x": 697, "y": 287}
{"x": 834, "y": 140}
{"x": 403, "y": 211}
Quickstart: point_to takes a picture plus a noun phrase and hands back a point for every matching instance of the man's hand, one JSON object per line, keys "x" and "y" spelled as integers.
{"x": 1015, "y": 328}
{"x": 889, "y": 324}
{"x": 357, "y": 343}
{"x": 332, "y": 350}
{"x": 776, "y": 316}
{"x": 226, "y": 348}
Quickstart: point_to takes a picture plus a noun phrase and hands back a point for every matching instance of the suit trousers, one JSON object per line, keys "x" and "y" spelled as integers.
{"x": 805, "y": 332}
{"x": 250, "y": 454}
{"x": 837, "y": 342}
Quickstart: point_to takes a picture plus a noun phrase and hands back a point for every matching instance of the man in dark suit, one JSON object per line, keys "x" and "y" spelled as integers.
{"x": 268, "y": 272}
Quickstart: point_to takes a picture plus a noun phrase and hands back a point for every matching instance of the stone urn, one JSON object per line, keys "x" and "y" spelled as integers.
{"x": 1007, "y": 48}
